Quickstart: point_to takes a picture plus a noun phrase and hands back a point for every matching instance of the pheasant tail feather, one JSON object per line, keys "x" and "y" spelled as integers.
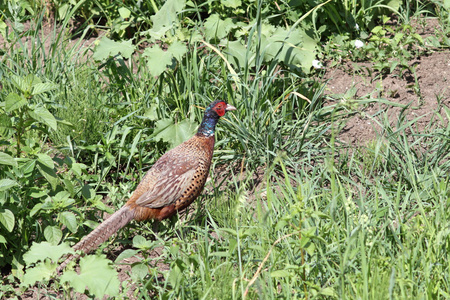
{"x": 100, "y": 234}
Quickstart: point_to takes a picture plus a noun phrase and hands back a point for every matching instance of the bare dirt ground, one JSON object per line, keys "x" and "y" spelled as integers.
{"x": 431, "y": 94}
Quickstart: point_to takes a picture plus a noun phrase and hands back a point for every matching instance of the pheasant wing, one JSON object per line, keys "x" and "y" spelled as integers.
{"x": 169, "y": 186}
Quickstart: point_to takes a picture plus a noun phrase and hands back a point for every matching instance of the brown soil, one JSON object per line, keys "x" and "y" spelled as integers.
{"x": 428, "y": 95}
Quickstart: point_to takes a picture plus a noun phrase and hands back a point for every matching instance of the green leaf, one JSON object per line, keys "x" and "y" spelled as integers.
{"x": 293, "y": 47}
{"x": 177, "y": 50}
{"x": 216, "y": 28}
{"x": 45, "y": 160}
{"x": 157, "y": 59}
{"x": 124, "y": 13}
{"x": 35, "y": 209}
{"x": 49, "y": 174}
{"x": 236, "y": 53}
{"x": 96, "y": 275}
{"x": 151, "y": 112}
{"x": 6, "y": 184}
{"x": 7, "y": 219}
{"x": 127, "y": 253}
{"x": 447, "y": 4}
{"x": 6, "y": 128}
{"x": 280, "y": 273}
{"x": 107, "y": 48}
{"x": 6, "y": 159}
{"x": 13, "y": 102}
{"x": 28, "y": 167}
{"x": 42, "y": 115}
{"x": 43, "y": 250}
{"x": 139, "y": 271}
{"x": 53, "y": 234}
{"x": 42, "y": 271}
{"x": 40, "y": 88}
{"x": 2, "y": 239}
{"x": 176, "y": 133}
{"x": 328, "y": 291}
{"x": 165, "y": 18}
{"x": 25, "y": 84}
{"x": 68, "y": 218}
{"x": 141, "y": 243}
{"x": 231, "y": 3}
{"x": 78, "y": 167}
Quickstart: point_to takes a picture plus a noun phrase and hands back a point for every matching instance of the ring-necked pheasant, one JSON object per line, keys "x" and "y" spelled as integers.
{"x": 173, "y": 182}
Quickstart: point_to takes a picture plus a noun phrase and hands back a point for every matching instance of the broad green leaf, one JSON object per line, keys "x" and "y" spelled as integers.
{"x": 216, "y": 28}
{"x": 28, "y": 167}
{"x": 291, "y": 47}
{"x": 49, "y": 174}
{"x": 7, "y": 219}
{"x": 139, "y": 271}
{"x": 68, "y": 218}
{"x": 6, "y": 159}
{"x": 124, "y": 12}
{"x": 165, "y": 18}
{"x": 2, "y": 239}
{"x": 40, "y": 88}
{"x": 6, "y": 184}
{"x": 13, "y": 102}
{"x": 231, "y": 3}
{"x": 177, "y": 50}
{"x": 157, "y": 59}
{"x": 87, "y": 192}
{"x": 62, "y": 197}
{"x": 63, "y": 11}
{"x": 53, "y": 234}
{"x": 96, "y": 275}
{"x": 127, "y": 253}
{"x": 176, "y": 133}
{"x": 236, "y": 53}
{"x": 42, "y": 115}
{"x": 6, "y": 128}
{"x": 45, "y": 160}
{"x": 43, "y": 250}
{"x": 151, "y": 113}
{"x": 78, "y": 168}
{"x": 394, "y": 4}
{"x": 3, "y": 27}
{"x": 328, "y": 291}
{"x": 107, "y": 48}
{"x": 141, "y": 243}
{"x": 25, "y": 84}
{"x": 42, "y": 271}
{"x": 35, "y": 209}
{"x": 447, "y": 4}
{"x": 280, "y": 273}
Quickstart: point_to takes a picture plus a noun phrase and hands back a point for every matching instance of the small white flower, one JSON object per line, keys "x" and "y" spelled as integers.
{"x": 359, "y": 44}
{"x": 356, "y": 26}
{"x": 317, "y": 64}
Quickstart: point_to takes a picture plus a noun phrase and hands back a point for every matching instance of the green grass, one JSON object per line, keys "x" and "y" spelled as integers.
{"x": 367, "y": 232}
{"x": 288, "y": 213}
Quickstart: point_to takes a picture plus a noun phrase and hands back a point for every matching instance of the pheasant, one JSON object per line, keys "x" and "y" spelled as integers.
{"x": 173, "y": 182}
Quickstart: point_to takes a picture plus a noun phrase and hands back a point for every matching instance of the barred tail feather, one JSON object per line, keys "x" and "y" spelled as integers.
{"x": 100, "y": 234}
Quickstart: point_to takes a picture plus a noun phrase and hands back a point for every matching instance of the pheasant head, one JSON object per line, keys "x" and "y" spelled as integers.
{"x": 212, "y": 114}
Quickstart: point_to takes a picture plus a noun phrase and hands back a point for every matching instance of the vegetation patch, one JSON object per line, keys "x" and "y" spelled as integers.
{"x": 330, "y": 180}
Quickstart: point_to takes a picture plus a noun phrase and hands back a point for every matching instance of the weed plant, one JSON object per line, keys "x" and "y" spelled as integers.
{"x": 288, "y": 213}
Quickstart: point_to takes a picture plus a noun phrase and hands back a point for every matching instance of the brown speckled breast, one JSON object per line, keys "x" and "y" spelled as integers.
{"x": 174, "y": 181}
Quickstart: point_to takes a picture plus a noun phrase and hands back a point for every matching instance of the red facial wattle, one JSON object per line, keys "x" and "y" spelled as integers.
{"x": 220, "y": 109}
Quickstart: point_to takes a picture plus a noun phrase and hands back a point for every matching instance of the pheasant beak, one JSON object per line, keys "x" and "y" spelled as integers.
{"x": 230, "y": 107}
